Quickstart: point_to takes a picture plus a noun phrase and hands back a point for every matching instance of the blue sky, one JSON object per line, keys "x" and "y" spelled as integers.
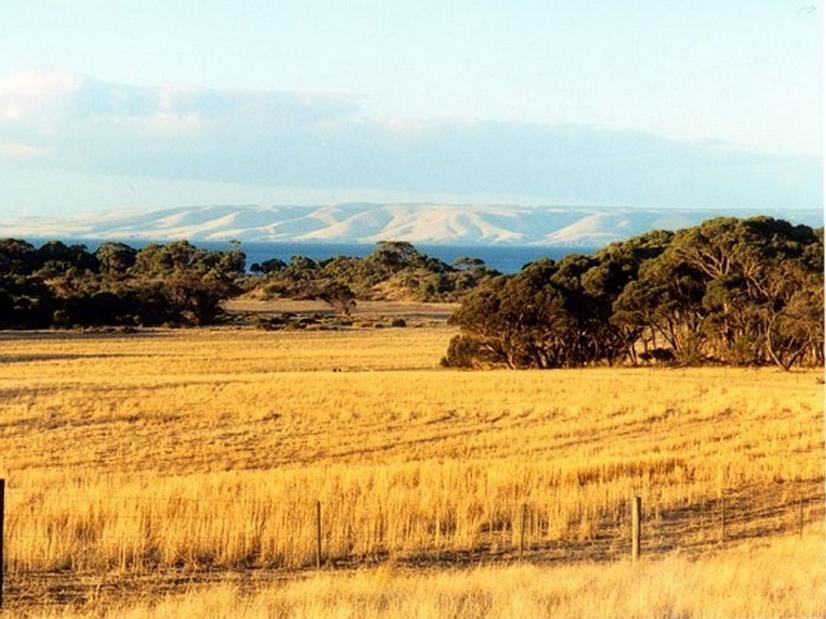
{"x": 150, "y": 104}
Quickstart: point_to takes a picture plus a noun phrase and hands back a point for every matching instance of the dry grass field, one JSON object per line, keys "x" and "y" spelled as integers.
{"x": 250, "y": 304}
{"x": 742, "y": 582}
{"x": 139, "y": 462}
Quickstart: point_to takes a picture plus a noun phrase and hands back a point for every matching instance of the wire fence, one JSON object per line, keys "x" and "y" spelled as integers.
{"x": 89, "y": 531}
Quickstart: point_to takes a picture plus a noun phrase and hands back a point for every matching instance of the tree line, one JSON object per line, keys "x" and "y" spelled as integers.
{"x": 738, "y": 291}
{"x": 67, "y": 285}
{"x": 735, "y": 291}
{"x": 395, "y": 270}
{"x": 60, "y": 285}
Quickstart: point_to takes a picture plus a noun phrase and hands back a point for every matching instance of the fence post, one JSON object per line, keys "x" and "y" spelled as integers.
{"x": 2, "y": 535}
{"x": 636, "y": 525}
{"x": 318, "y": 534}
{"x": 722, "y": 518}
{"x": 523, "y": 526}
{"x": 438, "y": 538}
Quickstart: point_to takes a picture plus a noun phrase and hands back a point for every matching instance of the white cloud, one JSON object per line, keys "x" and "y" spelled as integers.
{"x": 38, "y": 85}
{"x": 23, "y": 95}
{"x": 10, "y": 112}
{"x": 19, "y": 150}
{"x": 76, "y": 125}
{"x": 165, "y": 125}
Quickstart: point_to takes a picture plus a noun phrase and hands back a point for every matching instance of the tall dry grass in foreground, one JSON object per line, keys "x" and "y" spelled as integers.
{"x": 202, "y": 449}
{"x": 782, "y": 578}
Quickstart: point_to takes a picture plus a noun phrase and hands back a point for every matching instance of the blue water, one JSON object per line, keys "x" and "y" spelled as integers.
{"x": 504, "y": 258}
{"x": 507, "y": 259}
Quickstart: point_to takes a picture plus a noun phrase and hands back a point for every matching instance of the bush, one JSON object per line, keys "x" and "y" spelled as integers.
{"x": 470, "y": 352}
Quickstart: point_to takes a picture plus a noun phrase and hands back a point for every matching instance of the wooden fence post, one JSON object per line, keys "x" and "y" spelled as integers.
{"x": 438, "y": 538}
{"x": 318, "y": 534}
{"x": 722, "y": 518}
{"x": 2, "y": 535}
{"x": 636, "y": 525}
{"x": 523, "y": 526}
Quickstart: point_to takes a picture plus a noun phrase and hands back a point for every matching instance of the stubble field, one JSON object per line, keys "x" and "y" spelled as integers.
{"x": 151, "y": 462}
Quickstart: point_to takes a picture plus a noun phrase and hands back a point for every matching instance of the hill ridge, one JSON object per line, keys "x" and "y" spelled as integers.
{"x": 429, "y": 223}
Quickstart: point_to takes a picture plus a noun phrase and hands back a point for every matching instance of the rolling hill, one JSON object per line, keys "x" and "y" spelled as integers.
{"x": 368, "y": 223}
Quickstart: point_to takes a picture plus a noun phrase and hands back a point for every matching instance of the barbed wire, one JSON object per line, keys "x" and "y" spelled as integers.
{"x": 537, "y": 514}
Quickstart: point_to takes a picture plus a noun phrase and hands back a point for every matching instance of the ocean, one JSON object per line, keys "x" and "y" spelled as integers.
{"x": 507, "y": 259}
{"x": 503, "y": 258}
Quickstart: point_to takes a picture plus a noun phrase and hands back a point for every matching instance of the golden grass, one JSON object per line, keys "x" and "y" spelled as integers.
{"x": 408, "y": 309}
{"x": 743, "y": 582}
{"x": 193, "y": 449}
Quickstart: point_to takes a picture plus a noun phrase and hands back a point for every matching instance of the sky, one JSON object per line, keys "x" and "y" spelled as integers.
{"x": 107, "y": 105}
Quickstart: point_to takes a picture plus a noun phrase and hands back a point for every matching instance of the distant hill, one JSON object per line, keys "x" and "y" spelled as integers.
{"x": 368, "y": 223}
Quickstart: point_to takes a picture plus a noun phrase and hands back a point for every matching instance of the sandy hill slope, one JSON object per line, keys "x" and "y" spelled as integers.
{"x": 367, "y": 223}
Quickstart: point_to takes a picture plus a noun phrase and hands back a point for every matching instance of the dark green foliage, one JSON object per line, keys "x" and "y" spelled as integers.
{"x": 729, "y": 290}
{"x": 339, "y": 297}
{"x": 465, "y": 351}
{"x": 183, "y": 258}
{"x": 394, "y": 270}
{"x": 25, "y": 301}
{"x": 60, "y": 285}
{"x": 268, "y": 266}
{"x": 115, "y": 258}
{"x": 55, "y": 258}
{"x": 17, "y": 257}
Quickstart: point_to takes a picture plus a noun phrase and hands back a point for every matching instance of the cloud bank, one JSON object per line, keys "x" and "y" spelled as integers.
{"x": 71, "y": 124}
